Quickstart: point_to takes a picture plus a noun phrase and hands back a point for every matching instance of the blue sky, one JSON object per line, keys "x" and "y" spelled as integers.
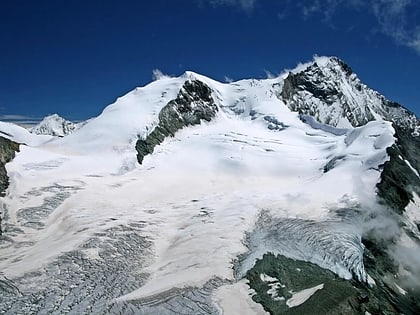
{"x": 76, "y": 57}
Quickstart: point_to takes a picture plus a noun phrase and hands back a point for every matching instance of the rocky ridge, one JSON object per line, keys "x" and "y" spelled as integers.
{"x": 331, "y": 92}
{"x": 8, "y": 149}
{"x": 193, "y": 104}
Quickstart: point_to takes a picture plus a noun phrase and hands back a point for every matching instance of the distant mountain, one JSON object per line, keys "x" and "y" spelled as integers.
{"x": 187, "y": 193}
{"x": 54, "y": 125}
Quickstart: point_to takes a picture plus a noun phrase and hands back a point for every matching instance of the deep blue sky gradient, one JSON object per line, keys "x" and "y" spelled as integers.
{"x": 76, "y": 57}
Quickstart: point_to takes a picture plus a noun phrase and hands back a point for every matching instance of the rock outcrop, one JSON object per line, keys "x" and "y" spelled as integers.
{"x": 8, "y": 149}
{"x": 399, "y": 178}
{"x": 193, "y": 104}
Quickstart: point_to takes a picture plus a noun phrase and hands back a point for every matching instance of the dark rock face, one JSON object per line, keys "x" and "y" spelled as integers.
{"x": 8, "y": 149}
{"x": 337, "y": 296}
{"x": 192, "y": 104}
{"x": 398, "y": 180}
{"x": 304, "y": 91}
{"x": 294, "y": 276}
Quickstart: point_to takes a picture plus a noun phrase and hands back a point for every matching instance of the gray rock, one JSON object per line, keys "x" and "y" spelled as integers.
{"x": 8, "y": 149}
{"x": 338, "y": 296}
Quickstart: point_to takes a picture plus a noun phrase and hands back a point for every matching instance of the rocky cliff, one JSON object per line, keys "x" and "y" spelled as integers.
{"x": 8, "y": 149}
{"x": 193, "y": 104}
{"x": 331, "y": 92}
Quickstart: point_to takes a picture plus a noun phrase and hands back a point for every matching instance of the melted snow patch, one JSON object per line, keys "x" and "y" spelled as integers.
{"x": 301, "y": 297}
{"x": 370, "y": 281}
{"x": 401, "y": 290}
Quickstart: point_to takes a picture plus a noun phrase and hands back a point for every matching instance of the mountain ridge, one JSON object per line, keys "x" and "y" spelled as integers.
{"x": 54, "y": 125}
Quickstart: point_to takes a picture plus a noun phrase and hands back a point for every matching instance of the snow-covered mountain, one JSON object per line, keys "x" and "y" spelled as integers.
{"x": 54, "y": 125}
{"x": 171, "y": 200}
{"x": 331, "y": 92}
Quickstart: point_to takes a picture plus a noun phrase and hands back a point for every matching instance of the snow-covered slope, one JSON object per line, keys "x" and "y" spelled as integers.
{"x": 22, "y": 135}
{"x": 54, "y": 125}
{"x": 90, "y": 227}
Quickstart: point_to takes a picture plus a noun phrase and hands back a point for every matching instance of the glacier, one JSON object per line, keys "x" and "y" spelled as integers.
{"x": 88, "y": 229}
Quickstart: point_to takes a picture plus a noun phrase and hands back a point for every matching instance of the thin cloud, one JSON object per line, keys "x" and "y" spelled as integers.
{"x": 157, "y": 75}
{"x": 21, "y": 120}
{"x": 415, "y": 42}
{"x": 17, "y": 117}
{"x": 269, "y": 75}
{"x": 246, "y": 5}
{"x": 228, "y": 79}
{"x": 391, "y": 16}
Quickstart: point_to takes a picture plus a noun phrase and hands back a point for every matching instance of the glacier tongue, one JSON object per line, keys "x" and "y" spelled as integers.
{"x": 331, "y": 244}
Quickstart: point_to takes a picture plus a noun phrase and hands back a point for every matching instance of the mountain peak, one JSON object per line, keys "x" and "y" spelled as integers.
{"x": 329, "y": 90}
{"x": 333, "y": 63}
{"x": 55, "y": 125}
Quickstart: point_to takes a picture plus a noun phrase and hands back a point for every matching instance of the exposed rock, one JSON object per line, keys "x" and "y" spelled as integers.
{"x": 276, "y": 278}
{"x": 192, "y": 104}
{"x": 8, "y": 149}
{"x": 398, "y": 179}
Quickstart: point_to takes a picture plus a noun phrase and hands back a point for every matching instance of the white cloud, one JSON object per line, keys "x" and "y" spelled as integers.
{"x": 390, "y": 16}
{"x": 157, "y": 75}
{"x": 415, "y": 42}
{"x": 269, "y": 74}
{"x": 228, "y": 79}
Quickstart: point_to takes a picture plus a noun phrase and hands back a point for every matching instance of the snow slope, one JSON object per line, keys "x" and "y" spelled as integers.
{"x": 199, "y": 193}
{"x": 21, "y": 135}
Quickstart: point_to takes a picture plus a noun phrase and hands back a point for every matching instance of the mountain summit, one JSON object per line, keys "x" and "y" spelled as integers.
{"x": 187, "y": 193}
{"x": 331, "y": 92}
{"x": 54, "y": 125}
